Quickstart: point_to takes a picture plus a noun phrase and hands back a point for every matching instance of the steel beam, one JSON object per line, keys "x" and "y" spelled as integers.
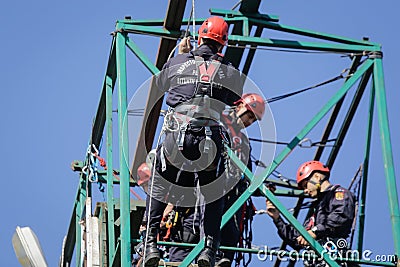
{"x": 387, "y": 153}
{"x": 335, "y": 112}
{"x": 363, "y": 197}
{"x": 302, "y": 45}
{"x": 348, "y": 118}
{"x": 100, "y": 119}
{"x": 123, "y": 148}
{"x": 237, "y": 38}
{"x": 172, "y": 22}
{"x": 110, "y": 170}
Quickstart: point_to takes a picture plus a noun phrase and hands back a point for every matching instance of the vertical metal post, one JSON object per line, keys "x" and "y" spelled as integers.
{"x": 387, "y": 152}
{"x": 88, "y": 232}
{"x": 80, "y": 207}
{"x": 348, "y": 118}
{"x": 363, "y": 196}
{"x": 110, "y": 177}
{"x": 123, "y": 149}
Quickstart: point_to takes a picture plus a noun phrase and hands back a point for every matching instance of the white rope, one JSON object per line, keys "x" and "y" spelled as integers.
{"x": 172, "y": 51}
{"x": 166, "y": 127}
{"x": 194, "y": 23}
{"x": 151, "y": 195}
{"x": 191, "y": 17}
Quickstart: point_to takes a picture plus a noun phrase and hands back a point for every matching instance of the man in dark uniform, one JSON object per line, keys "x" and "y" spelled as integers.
{"x": 249, "y": 108}
{"x": 333, "y": 216}
{"x": 200, "y": 84}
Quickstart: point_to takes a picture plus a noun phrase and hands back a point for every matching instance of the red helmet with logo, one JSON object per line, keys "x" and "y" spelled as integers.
{"x": 307, "y": 168}
{"x": 214, "y": 28}
{"x": 143, "y": 173}
{"x": 255, "y": 103}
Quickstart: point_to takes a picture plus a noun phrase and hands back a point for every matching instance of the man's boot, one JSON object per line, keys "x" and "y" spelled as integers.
{"x": 207, "y": 255}
{"x": 152, "y": 254}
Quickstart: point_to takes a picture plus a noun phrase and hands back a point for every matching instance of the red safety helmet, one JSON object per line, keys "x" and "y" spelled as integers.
{"x": 307, "y": 168}
{"x": 254, "y": 103}
{"x": 143, "y": 173}
{"x": 214, "y": 28}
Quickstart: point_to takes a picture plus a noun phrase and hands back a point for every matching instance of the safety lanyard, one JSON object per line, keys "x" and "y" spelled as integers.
{"x": 236, "y": 136}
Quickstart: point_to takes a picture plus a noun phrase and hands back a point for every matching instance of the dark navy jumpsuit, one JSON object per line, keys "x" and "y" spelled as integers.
{"x": 332, "y": 218}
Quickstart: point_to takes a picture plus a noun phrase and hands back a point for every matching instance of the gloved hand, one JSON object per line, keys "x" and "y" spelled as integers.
{"x": 185, "y": 46}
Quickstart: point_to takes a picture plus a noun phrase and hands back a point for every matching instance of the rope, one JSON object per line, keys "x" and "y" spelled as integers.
{"x": 268, "y": 141}
{"x": 276, "y": 98}
{"x": 236, "y": 5}
{"x": 194, "y": 21}
{"x": 279, "y": 175}
{"x": 186, "y": 32}
{"x": 153, "y": 169}
{"x": 302, "y": 143}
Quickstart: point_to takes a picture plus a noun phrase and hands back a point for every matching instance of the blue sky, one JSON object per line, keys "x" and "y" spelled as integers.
{"x": 53, "y": 60}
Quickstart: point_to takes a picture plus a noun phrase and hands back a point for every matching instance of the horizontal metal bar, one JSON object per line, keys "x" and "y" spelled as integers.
{"x": 157, "y": 22}
{"x": 290, "y": 193}
{"x": 261, "y": 41}
{"x": 266, "y": 251}
{"x": 234, "y": 13}
{"x": 159, "y": 32}
{"x": 160, "y": 22}
{"x": 314, "y": 46}
{"x": 309, "y": 33}
{"x": 258, "y": 19}
{"x": 101, "y": 174}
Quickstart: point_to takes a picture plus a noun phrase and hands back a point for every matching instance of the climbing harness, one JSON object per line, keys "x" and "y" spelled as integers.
{"x": 246, "y": 232}
{"x": 197, "y": 113}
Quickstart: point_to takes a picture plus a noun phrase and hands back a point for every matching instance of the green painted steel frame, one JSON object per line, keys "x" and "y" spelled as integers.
{"x": 117, "y": 61}
{"x": 387, "y": 152}
{"x": 257, "y": 182}
{"x": 110, "y": 176}
{"x": 363, "y": 195}
{"x": 123, "y": 149}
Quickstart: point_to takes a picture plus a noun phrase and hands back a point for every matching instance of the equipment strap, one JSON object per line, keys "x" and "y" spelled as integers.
{"x": 206, "y": 74}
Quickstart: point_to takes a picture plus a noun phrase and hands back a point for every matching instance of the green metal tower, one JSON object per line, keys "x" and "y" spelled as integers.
{"x": 105, "y": 236}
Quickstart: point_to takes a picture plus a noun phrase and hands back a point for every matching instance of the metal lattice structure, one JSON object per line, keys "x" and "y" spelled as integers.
{"x": 117, "y": 220}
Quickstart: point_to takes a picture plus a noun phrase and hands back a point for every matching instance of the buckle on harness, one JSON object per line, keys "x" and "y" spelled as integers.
{"x": 181, "y": 136}
{"x": 162, "y": 158}
{"x": 205, "y": 78}
{"x": 208, "y": 140}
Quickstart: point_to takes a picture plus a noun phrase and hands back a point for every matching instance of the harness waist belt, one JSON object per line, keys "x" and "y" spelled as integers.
{"x": 198, "y": 111}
